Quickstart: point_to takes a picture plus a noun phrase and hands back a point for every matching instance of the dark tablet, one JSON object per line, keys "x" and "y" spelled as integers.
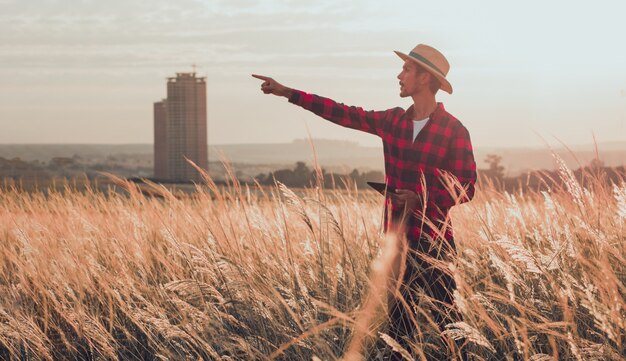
{"x": 381, "y": 187}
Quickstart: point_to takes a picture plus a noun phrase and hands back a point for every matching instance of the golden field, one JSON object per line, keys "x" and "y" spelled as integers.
{"x": 244, "y": 273}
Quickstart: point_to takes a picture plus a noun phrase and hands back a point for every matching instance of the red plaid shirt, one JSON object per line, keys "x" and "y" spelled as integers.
{"x": 441, "y": 152}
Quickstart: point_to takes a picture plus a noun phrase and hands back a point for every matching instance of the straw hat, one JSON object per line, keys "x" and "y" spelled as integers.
{"x": 431, "y": 60}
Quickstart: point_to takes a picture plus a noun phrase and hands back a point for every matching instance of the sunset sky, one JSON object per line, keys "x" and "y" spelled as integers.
{"x": 88, "y": 71}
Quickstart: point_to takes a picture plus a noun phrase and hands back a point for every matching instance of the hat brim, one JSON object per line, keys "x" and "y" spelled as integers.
{"x": 445, "y": 84}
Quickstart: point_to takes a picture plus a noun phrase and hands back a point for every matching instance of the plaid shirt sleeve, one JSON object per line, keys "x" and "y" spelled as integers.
{"x": 456, "y": 184}
{"x": 344, "y": 115}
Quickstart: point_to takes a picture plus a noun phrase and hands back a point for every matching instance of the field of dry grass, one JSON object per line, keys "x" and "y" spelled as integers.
{"x": 244, "y": 274}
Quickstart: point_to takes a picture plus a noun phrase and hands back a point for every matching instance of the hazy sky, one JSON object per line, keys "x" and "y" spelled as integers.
{"x": 88, "y": 71}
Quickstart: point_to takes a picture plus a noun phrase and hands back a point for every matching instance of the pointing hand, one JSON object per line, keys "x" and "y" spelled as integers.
{"x": 271, "y": 86}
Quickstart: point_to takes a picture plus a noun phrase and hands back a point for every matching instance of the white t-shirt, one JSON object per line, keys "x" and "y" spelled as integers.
{"x": 417, "y": 126}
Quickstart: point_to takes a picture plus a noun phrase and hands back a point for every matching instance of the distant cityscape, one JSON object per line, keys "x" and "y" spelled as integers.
{"x": 181, "y": 135}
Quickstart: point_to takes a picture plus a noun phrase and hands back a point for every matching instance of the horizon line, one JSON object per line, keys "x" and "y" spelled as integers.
{"x": 560, "y": 145}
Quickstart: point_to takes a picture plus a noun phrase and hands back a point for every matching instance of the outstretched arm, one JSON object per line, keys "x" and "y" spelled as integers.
{"x": 347, "y": 116}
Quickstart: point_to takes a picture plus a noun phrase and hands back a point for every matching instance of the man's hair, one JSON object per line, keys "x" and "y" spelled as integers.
{"x": 434, "y": 84}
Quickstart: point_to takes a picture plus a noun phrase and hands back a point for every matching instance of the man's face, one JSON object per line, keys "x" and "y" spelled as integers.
{"x": 412, "y": 80}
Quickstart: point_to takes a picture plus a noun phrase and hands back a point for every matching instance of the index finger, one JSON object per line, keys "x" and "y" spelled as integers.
{"x": 265, "y": 78}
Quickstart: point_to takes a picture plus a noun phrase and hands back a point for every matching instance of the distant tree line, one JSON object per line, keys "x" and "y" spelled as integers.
{"x": 302, "y": 176}
{"x": 68, "y": 167}
{"x": 537, "y": 180}
{"x": 494, "y": 174}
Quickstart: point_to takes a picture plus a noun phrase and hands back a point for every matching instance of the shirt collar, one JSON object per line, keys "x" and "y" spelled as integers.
{"x": 436, "y": 114}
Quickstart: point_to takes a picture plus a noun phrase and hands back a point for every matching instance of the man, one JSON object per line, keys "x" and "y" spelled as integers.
{"x": 430, "y": 162}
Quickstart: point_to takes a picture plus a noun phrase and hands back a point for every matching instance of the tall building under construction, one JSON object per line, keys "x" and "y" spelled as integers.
{"x": 180, "y": 130}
